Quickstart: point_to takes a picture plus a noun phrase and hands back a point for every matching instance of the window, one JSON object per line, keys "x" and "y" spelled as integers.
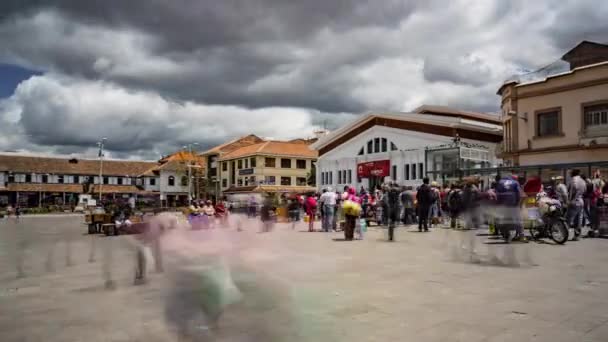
{"x": 233, "y": 173}
{"x": 171, "y": 181}
{"x": 119, "y": 181}
{"x": 269, "y": 162}
{"x": 420, "y": 170}
{"x": 252, "y": 180}
{"x": 240, "y": 182}
{"x": 406, "y": 172}
{"x": 596, "y": 116}
{"x": 301, "y": 181}
{"x": 361, "y": 151}
{"x": 224, "y": 166}
{"x": 60, "y": 179}
{"x": 28, "y": 178}
{"x": 350, "y": 176}
{"x": 339, "y": 176}
{"x": 152, "y": 181}
{"x": 252, "y": 162}
{"x": 322, "y": 178}
{"x": 106, "y": 180}
{"x": 270, "y": 180}
{"x": 370, "y": 145}
{"x": 394, "y": 172}
{"x": 133, "y": 181}
{"x": 184, "y": 181}
{"x": 239, "y": 164}
{"x": 376, "y": 145}
{"x": 285, "y": 163}
{"x": 246, "y": 163}
{"x": 224, "y": 183}
{"x": 11, "y": 178}
{"x": 413, "y": 171}
{"x": 547, "y": 123}
{"x": 384, "y": 147}
{"x": 393, "y": 147}
{"x": 300, "y": 164}
{"x": 76, "y": 179}
{"x": 331, "y": 176}
{"x": 285, "y": 180}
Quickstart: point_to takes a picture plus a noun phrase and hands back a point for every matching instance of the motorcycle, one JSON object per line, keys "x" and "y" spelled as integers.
{"x": 552, "y": 223}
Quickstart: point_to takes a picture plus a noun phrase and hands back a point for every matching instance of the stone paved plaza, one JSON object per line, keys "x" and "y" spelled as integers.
{"x": 298, "y": 286}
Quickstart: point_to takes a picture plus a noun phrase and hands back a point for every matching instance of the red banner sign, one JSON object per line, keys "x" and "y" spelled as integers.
{"x": 379, "y": 168}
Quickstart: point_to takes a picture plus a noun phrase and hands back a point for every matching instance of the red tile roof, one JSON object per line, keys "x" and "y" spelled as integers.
{"x": 72, "y": 166}
{"x": 273, "y": 148}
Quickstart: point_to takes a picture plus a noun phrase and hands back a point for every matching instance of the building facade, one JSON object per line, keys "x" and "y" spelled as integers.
{"x": 211, "y": 160}
{"x": 269, "y": 166}
{"x": 399, "y": 146}
{"x": 558, "y": 114}
{"x": 31, "y": 181}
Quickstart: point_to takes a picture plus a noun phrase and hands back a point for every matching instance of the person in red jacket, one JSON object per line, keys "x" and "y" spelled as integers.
{"x": 311, "y": 210}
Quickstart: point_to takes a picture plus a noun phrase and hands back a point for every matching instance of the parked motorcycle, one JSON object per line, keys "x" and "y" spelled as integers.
{"x": 552, "y": 223}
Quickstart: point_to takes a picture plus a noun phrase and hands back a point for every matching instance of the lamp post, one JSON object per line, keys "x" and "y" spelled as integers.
{"x": 189, "y": 147}
{"x": 101, "y": 145}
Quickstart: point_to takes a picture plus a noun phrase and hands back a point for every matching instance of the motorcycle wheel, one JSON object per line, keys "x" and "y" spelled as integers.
{"x": 507, "y": 233}
{"x": 559, "y": 231}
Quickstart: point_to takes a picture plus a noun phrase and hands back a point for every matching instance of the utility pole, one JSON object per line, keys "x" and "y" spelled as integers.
{"x": 100, "y": 144}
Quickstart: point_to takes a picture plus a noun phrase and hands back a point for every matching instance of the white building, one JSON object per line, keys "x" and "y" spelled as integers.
{"x": 405, "y": 147}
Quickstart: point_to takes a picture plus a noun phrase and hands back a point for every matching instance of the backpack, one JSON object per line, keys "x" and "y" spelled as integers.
{"x": 454, "y": 199}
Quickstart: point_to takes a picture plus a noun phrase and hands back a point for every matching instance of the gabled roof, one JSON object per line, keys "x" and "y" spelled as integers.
{"x": 273, "y": 148}
{"x": 466, "y": 127}
{"x": 452, "y": 112}
{"x": 584, "y": 46}
{"x": 175, "y": 162}
{"x": 71, "y": 166}
{"x": 234, "y": 144}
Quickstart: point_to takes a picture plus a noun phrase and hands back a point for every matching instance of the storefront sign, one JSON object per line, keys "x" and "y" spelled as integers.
{"x": 379, "y": 168}
{"x": 244, "y": 172}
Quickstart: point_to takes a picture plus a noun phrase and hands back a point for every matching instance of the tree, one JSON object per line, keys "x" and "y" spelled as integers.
{"x": 311, "y": 176}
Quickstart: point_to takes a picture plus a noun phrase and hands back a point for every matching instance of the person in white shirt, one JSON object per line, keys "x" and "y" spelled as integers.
{"x": 328, "y": 202}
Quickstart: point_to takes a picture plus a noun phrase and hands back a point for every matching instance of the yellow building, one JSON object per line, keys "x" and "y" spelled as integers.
{"x": 269, "y": 166}
{"x": 558, "y": 114}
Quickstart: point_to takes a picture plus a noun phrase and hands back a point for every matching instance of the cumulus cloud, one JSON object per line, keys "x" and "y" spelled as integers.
{"x": 69, "y": 113}
{"x": 252, "y": 59}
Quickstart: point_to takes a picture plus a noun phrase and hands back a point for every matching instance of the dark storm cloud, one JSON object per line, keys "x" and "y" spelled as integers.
{"x": 577, "y": 20}
{"x": 190, "y": 25}
{"x": 156, "y": 74}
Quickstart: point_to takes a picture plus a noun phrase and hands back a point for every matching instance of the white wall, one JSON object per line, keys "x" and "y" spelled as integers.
{"x": 164, "y": 182}
{"x": 411, "y": 150}
{"x": 148, "y": 187}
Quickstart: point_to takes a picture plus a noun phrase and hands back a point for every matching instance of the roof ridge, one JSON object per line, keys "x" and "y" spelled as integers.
{"x": 263, "y": 146}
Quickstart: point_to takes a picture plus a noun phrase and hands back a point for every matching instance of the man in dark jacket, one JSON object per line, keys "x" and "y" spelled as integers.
{"x": 393, "y": 209}
{"x": 424, "y": 203}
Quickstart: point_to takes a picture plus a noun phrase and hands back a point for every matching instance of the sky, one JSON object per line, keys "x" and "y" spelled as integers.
{"x": 154, "y": 75}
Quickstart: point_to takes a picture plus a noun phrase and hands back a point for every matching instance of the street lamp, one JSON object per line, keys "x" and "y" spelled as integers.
{"x": 100, "y": 155}
{"x": 189, "y": 148}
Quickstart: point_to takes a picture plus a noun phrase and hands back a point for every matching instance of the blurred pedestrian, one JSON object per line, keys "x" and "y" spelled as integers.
{"x": 576, "y": 190}
{"x": 423, "y": 196}
{"x": 407, "y": 202}
{"x": 311, "y": 210}
{"x": 328, "y": 202}
{"x": 392, "y": 199}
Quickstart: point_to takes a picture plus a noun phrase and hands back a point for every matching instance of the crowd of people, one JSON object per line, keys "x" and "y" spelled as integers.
{"x": 460, "y": 204}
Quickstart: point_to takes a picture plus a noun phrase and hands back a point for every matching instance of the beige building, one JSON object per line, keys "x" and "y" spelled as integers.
{"x": 558, "y": 114}
{"x": 268, "y": 166}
